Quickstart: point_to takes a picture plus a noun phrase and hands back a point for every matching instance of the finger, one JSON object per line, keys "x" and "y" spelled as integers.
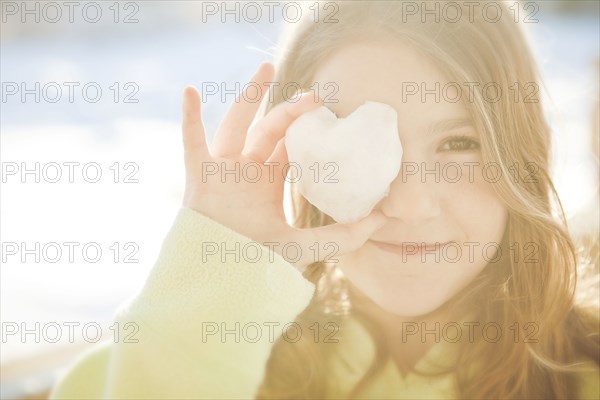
{"x": 231, "y": 134}
{"x": 194, "y": 141}
{"x": 279, "y": 156}
{"x": 279, "y": 160}
{"x": 343, "y": 238}
{"x": 265, "y": 134}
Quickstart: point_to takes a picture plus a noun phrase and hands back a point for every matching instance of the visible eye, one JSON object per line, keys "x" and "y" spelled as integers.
{"x": 460, "y": 143}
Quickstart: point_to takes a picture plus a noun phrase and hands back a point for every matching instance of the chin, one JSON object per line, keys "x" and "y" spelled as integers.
{"x": 408, "y": 306}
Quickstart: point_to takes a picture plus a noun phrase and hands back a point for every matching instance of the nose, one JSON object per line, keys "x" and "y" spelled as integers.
{"x": 412, "y": 198}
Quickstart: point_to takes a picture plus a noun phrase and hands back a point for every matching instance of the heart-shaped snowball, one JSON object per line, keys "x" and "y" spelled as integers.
{"x": 345, "y": 166}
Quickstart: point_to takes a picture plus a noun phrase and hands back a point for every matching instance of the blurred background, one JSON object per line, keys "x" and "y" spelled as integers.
{"x": 141, "y": 55}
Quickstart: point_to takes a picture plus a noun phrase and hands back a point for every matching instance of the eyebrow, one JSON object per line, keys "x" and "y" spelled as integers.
{"x": 448, "y": 125}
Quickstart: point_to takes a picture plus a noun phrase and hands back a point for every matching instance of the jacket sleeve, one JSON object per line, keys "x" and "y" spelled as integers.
{"x": 205, "y": 320}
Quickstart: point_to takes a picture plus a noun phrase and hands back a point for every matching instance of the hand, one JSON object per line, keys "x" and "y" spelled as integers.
{"x": 254, "y": 208}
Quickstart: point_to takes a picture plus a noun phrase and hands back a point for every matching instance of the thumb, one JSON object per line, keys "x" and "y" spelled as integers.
{"x": 343, "y": 238}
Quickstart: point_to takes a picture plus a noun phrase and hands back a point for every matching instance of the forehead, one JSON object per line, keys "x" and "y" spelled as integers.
{"x": 386, "y": 72}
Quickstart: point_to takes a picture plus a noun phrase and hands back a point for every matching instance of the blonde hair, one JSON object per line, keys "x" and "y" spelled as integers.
{"x": 513, "y": 132}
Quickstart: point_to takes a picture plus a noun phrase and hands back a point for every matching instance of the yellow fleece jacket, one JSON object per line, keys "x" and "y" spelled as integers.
{"x": 190, "y": 299}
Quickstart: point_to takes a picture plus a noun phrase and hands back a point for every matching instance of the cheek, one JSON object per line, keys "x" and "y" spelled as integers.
{"x": 474, "y": 205}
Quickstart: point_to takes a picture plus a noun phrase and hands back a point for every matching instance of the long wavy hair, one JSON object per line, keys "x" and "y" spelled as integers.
{"x": 514, "y": 132}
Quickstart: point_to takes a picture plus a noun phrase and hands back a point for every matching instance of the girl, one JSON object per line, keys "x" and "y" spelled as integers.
{"x": 445, "y": 317}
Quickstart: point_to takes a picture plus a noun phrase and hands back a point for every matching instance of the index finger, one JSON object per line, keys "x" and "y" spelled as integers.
{"x": 231, "y": 134}
{"x": 263, "y": 137}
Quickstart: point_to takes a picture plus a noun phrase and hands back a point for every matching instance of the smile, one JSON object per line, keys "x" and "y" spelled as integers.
{"x": 410, "y": 248}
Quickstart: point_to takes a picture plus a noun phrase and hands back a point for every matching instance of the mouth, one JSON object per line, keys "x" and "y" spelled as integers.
{"x": 410, "y": 248}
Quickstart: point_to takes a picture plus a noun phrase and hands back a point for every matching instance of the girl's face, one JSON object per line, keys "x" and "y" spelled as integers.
{"x": 401, "y": 269}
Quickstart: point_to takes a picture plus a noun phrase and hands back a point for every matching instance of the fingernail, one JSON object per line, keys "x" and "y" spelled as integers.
{"x": 310, "y": 94}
